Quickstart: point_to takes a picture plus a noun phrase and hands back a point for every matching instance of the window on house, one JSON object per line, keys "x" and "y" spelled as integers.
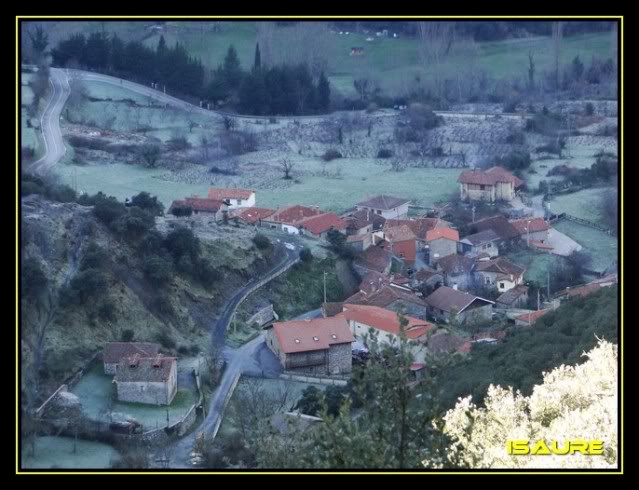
{"x": 239, "y": 201}
{"x": 482, "y": 187}
{"x": 501, "y": 285}
{"x": 379, "y": 211}
{"x": 488, "y": 280}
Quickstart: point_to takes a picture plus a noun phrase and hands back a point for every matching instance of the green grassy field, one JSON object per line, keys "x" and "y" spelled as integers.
{"x": 393, "y": 62}
{"x": 584, "y": 204}
{"x": 536, "y": 263}
{"x": 601, "y": 247}
{"x": 58, "y": 452}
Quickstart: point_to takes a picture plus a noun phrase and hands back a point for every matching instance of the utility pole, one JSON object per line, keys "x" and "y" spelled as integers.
{"x": 528, "y": 233}
{"x": 325, "y": 287}
{"x": 548, "y": 290}
{"x": 538, "y": 300}
{"x": 473, "y": 213}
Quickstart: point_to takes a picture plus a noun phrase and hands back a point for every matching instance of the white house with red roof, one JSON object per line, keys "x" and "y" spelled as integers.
{"x": 233, "y": 198}
{"x": 494, "y": 184}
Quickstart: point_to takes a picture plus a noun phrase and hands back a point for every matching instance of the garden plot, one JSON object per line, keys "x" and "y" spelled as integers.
{"x": 584, "y": 204}
{"x": 67, "y": 453}
{"x": 601, "y": 247}
{"x": 97, "y": 394}
{"x": 537, "y": 264}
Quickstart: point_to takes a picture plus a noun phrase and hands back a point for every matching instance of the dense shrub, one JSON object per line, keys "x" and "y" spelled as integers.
{"x": 86, "y": 285}
{"x": 515, "y": 160}
{"x": 182, "y": 241}
{"x": 165, "y": 339}
{"x": 108, "y": 209}
{"x": 127, "y": 335}
{"x": 306, "y": 255}
{"x": 107, "y": 311}
{"x": 95, "y": 257}
{"x": 207, "y": 274}
{"x": 158, "y": 270}
{"x": 33, "y": 279}
{"x": 182, "y": 211}
{"x": 331, "y": 154}
{"x": 262, "y": 242}
{"x": 149, "y": 203}
{"x": 516, "y": 137}
{"x": 134, "y": 224}
{"x": 385, "y": 153}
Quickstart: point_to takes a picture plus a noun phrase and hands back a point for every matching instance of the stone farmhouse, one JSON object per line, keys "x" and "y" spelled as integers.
{"x": 320, "y": 346}
{"x": 391, "y": 297}
{"x": 484, "y": 242}
{"x": 385, "y": 206}
{"x": 401, "y": 242}
{"x": 251, "y": 216}
{"x": 532, "y": 229}
{"x": 115, "y": 351}
{"x": 457, "y": 270}
{"x": 234, "y": 198}
{"x": 151, "y": 380}
{"x": 506, "y": 232}
{"x": 286, "y": 218}
{"x": 319, "y": 225}
{"x": 499, "y": 272}
{"x": 445, "y": 301}
{"x": 441, "y": 243}
{"x": 202, "y": 206}
{"x": 494, "y": 184}
{"x": 516, "y": 297}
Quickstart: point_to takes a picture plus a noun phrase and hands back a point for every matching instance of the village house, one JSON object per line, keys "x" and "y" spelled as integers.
{"x": 202, "y": 206}
{"x": 321, "y": 346}
{"x": 507, "y": 234}
{"x": 443, "y": 342}
{"x": 115, "y": 351}
{"x": 373, "y": 259}
{"x": 360, "y": 243}
{"x": 529, "y": 319}
{"x": 419, "y": 226}
{"x": 363, "y": 221}
{"x": 426, "y": 278}
{"x": 385, "y": 206}
{"x": 499, "y": 272}
{"x": 319, "y": 225}
{"x": 151, "y": 380}
{"x": 391, "y": 297}
{"x": 457, "y": 271}
{"x": 287, "y": 218}
{"x": 251, "y": 216}
{"x": 483, "y": 242}
{"x": 362, "y": 318}
{"x": 401, "y": 242}
{"x": 234, "y": 198}
{"x": 516, "y": 297}
{"x": 445, "y": 302}
{"x": 374, "y": 281}
{"x": 441, "y": 242}
{"x": 494, "y": 184}
{"x": 532, "y": 229}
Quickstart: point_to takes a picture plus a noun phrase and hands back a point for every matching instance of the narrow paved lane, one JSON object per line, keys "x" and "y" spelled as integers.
{"x": 54, "y": 148}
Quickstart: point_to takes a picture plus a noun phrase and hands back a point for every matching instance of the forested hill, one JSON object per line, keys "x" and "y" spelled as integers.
{"x": 560, "y": 337}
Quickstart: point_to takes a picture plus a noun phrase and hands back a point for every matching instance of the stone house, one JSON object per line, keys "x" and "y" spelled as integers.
{"x": 499, "y": 272}
{"x": 321, "y": 346}
{"x": 286, "y": 218}
{"x": 494, "y": 184}
{"x": 363, "y": 221}
{"x": 318, "y": 226}
{"x": 441, "y": 242}
{"x": 445, "y": 301}
{"x": 151, "y": 380}
{"x": 115, "y": 351}
{"x": 401, "y": 242}
{"x": 234, "y": 198}
{"x": 360, "y": 242}
{"x": 516, "y": 297}
{"x": 202, "y": 207}
{"x": 483, "y": 242}
{"x": 426, "y": 277}
{"x": 506, "y": 232}
{"x": 251, "y": 216}
{"x": 385, "y": 206}
{"x": 374, "y": 258}
{"x": 419, "y": 226}
{"x": 457, "y": 271}
{"x": 391, "y": 297}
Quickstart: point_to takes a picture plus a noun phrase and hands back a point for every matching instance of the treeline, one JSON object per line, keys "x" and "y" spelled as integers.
{"x": 489, "y": 30}
{"x": 559, "y": 337}
{"x": 275, "y": 90}
{"x": 171, "y": 67}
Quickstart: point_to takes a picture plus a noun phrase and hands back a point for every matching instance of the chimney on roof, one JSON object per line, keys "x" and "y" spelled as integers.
{"x": 157, "y": 362}
{"x": 133, "y": 361}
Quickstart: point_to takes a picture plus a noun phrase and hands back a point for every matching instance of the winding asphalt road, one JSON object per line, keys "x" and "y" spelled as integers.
{"x": 54, "y": 148}
{"x": 252, "y": 358}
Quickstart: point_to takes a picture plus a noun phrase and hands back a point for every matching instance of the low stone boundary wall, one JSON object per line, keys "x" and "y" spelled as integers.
{"x": 227, "y": 399}
{"x": 336, "y": 381}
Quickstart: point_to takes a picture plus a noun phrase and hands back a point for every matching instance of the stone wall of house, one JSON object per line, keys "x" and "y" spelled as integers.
{"x": 409, "y": 309}
{"x": 476, "y": 314}
{"x": 143, "y": 392}
{"x": 504, "y": 191}
{"x": 463, "y": 281}
{"x": 475, "y": 193}
{"x": 340, "y": 359}
{"x": 442, "y": 248}
{"x": 263, "y": 316}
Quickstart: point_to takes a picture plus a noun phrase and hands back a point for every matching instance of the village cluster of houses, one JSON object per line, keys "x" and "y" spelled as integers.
{"x": 438, "y": 269}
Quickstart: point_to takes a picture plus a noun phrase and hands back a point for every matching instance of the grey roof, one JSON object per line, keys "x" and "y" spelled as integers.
{"x": 447, "y": 299}
{"x": 510, "y": 296}
{"x": 456, "y": 264}
{"x": 149, "y": 369}
{"x": 114, "y": 351}
{"x": 383, "y": 202}
{"x": 482, "y": 237}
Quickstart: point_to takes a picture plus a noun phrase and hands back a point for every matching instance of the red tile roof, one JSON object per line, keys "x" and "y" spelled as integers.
{"x": 437, "y": 233}
{"x": 499, "y": 224}
{"x": 222, "y": 194}
{"x": 114, "y": 351}
{"x": 399, "y": 233}
{"x": 309, "y": 335}
{"x": 447, "y": 299}
{"x": 488, "y": 177}
{"x": 204, "y": 204}
{"x": 145, "y": 369}
{"x": 420, "y": 226}
{"x": 589, "y": 288}
{"x": 534, "y": 225}
{"x": 321, "y": 223}
{"x": 499, "y": 265}
{"x": 375, "y": 258}
{"x": 252, "y": 215}
{"x": 386, "y": 320}
{"x": 456, "y": 264}
{"x": 532, "y": 317}
{"x": 292, "y": 214}
{"x": 385, "y": 297}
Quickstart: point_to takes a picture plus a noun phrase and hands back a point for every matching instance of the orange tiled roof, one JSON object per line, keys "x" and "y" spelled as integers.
{"x": 532, "y": 317}
{"x": 534, "y": 225}
{"x": 437, "y": 233}
{"x": 222, "y": 194}
{"x": 488, "y": 177}
{"x": 292, "y": 214}
{"x": 386, "y": 320}
{"x": 309, "y": 335}
{"x": 203, "y": 204}
{"x": 252, "y": 215}
{"x": 322, "y": 222}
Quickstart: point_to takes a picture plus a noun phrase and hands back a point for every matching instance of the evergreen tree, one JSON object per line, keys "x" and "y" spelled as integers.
{"x": 257, "y": 64}
{"x": 323, "y": 93}
{"x": 232, "y": 70}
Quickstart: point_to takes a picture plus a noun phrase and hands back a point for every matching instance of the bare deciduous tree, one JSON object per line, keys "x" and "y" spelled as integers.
{"x": 287, "y": 166}
{"x": 610, "y": 209}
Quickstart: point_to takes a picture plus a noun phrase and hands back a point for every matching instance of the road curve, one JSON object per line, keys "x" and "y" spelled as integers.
{"x": 237, "y": 362}
{"x": 54, "y": 148}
